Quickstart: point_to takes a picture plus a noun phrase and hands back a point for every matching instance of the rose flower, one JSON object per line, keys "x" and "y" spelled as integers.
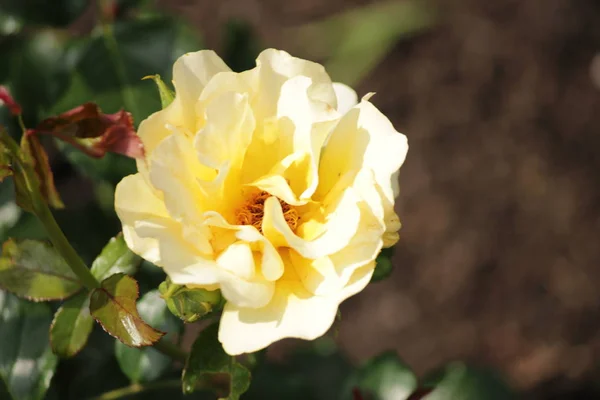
{"x": 271, "y": 185}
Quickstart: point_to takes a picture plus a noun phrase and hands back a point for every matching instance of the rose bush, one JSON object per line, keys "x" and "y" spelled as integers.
{"x": 271, "y": 185}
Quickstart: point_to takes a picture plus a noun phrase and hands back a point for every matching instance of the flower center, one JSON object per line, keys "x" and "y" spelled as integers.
{"x": 253, "y": 211}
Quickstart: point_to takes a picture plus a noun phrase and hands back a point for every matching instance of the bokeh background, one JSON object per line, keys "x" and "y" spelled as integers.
{"x": 498, "y": 262}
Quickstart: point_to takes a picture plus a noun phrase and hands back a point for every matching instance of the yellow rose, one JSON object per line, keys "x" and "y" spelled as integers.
{"x": 272, "y": 185}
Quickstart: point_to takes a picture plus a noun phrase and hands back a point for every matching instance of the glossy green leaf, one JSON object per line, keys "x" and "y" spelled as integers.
{"x": 166, "y": 94}
{"x": 115, "y": 258}
{"x": 189, "y": 304}
{"x": 113, "y": 305}
{"x": 458, "y": 381}
{"x": 208, "y": 358}
{"x": 34, "y": 270}
{"x": 71, "y": 326}
{"x": 26, "y": 360}
{"x": 383, "y": 265}
{"x": 42, "y": 12}
{"x": 145, "y": 365}
{"x": 384, "y": 377}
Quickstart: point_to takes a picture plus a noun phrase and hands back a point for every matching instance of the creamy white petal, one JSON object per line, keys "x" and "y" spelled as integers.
{"x": 228, "y": 130}
{"x": 364, "y": 138}
{"x": 329, "y": 275}
{"x": 312, "y": 120}
{"x": 221, "y": 145}
{"x": 136, "y": 201}
{"x": 359, "y": 280}
{"x": 293, "y": 312}
{"x": 181, "y": 260}
{"x": 343, "y": 218}
{"x": 175, "y": 170}
{"x": 346, "y": 97}
{"x": 238, "y": 260}
{"x": 240, "y": 282}
{"x": 191, "y": 73}
{"x": 274, "y": 67}
{"x": 272, "y": 266}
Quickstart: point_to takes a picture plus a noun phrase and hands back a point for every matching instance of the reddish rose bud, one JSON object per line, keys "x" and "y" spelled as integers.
{"x": 7, "y": 99}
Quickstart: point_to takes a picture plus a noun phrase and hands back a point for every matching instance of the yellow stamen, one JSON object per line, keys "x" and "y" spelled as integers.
{"x": 253, "y": 211}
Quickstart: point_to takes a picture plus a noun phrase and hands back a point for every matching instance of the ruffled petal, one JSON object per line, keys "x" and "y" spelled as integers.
{"x": 191, "y": 73}
{"x": 293, "y": 312}
{"x": 272, "y": 266}
{"x": 346, "y": 97}
{"x": 364, "y": 139}
{"x": 135, "y": 201}
{"x": 176, "y": 171}
{"x": 334, "y": 233}
{"x": 241, "y": 284}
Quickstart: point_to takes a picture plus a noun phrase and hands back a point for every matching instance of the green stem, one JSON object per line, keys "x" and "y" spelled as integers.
{"x": 42, "y": 211}
{"x": 171, "y": 350}
{"x": 138, "y": 388}
{"x": 113, "y": 52}
{"x": 64, "y": 248}
{"x": 22, "y": 124}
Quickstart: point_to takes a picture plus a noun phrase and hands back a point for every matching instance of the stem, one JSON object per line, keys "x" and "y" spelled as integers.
{"x": 138, "y": 388}
{"x": 171, "y": 350}
{"x": 21, "y": 124}
{"x": 42, "y": 211}
{"x": 113, "y": 52}
{"x": 64, "y": 248}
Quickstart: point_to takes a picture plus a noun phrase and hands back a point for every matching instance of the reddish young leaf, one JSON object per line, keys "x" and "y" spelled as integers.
{"x": 93, "y": 132}
{"x": 34, "y": 152}
{"x": 7, "y": 99}
{"x": 5, "y": 162}
{"x": 113, "y": 305}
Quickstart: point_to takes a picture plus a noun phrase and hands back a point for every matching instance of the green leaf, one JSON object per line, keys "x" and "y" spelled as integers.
{"x": 166, "y": 94}
{"x": 115, "y": 258}
{"x": 71, "y": 326}
{"x": 208, "y": 358}
{"x": 189, "y": 304}
{"x": 384, "y": 377}
{"x": 55, "y": 12}
{"x": 458, "y": 381}
{"x": 26, "y": 360}
{"x": 113, "y": 306}
{"x": 383, "y": 265}
{"x": 34, "y": 270}
{"x": 145, "y": 365}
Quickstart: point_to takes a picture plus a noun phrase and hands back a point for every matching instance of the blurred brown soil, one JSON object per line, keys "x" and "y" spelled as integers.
{"x": 499, "y": 257}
